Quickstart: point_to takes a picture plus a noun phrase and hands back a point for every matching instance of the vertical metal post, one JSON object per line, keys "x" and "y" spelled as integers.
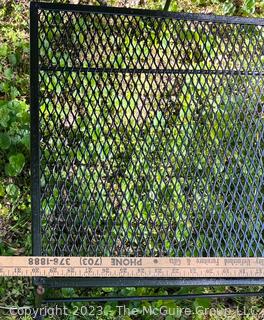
{"x": 34, "y": 126}
{"x": 34, "y": 134}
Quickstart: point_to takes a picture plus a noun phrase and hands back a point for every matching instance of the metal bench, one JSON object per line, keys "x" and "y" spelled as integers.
{"x": 146, "y": 137}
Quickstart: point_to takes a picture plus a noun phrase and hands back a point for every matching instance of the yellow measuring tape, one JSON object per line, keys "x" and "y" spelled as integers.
{"x": 152, "y": 267}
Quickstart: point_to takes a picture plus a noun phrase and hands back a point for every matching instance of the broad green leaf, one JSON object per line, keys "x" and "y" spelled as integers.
{"x": 3, "y": 49}
{"x": 9, "y": 170}
{"x": 12, "y": 59}
{"x": 12, "y": 190}
{"x": 5, "y": 141}
{"x": 16, "y": 164}
{"x": 229, "y": 7}
{"x": 14, "y": 92}
{"x": 8, "y": 73}
{"x": 2, "y": 190}
{"x": 202, "y": 302}
{"x": 4, "y": 116}
{"x": 249, "y": 6}
{"x": 26, "y": 141}
{"x": 4, "y": 211}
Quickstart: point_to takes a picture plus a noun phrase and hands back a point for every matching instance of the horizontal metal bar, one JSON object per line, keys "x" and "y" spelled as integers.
{"x": 150, "y": 71}
{"x": 155, "y": 298}
{"x": 148, "y": 13}
{"x": 144, "y": 282}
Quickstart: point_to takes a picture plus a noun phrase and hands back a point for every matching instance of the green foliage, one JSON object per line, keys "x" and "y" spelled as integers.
{"x": 249, "y": 6}
{"x": 229, "y": 8}
{"x": 13, "y": 191}
{"x": 15, "y": 165}
{"x": 123, "y": 169}
{"x": 14, "y": 143}
{"x": 5, "y": 141}
{"x": 14, "y": 136}
{"x": 245, "y": 7}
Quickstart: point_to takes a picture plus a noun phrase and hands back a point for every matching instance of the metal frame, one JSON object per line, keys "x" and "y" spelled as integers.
{"x": 146, "y": 13}
{"x": 35, "y": 162}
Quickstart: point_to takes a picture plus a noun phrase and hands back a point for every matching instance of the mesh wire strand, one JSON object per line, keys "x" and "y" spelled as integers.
{"x": 151, "y": 136}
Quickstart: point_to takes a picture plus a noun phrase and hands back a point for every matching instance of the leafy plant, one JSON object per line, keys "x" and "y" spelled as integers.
{"x": 229, "y": 8}
{"x": 14, "y": 136}
{"x": 249, "y": 6}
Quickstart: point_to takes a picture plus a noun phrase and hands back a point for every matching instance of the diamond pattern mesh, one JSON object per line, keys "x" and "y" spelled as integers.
{"x": 151, "y": 135}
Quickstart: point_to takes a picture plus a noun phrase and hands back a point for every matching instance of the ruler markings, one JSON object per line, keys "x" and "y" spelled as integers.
{"x": 133, "y": 268}
{"x": 156, "y": 267}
